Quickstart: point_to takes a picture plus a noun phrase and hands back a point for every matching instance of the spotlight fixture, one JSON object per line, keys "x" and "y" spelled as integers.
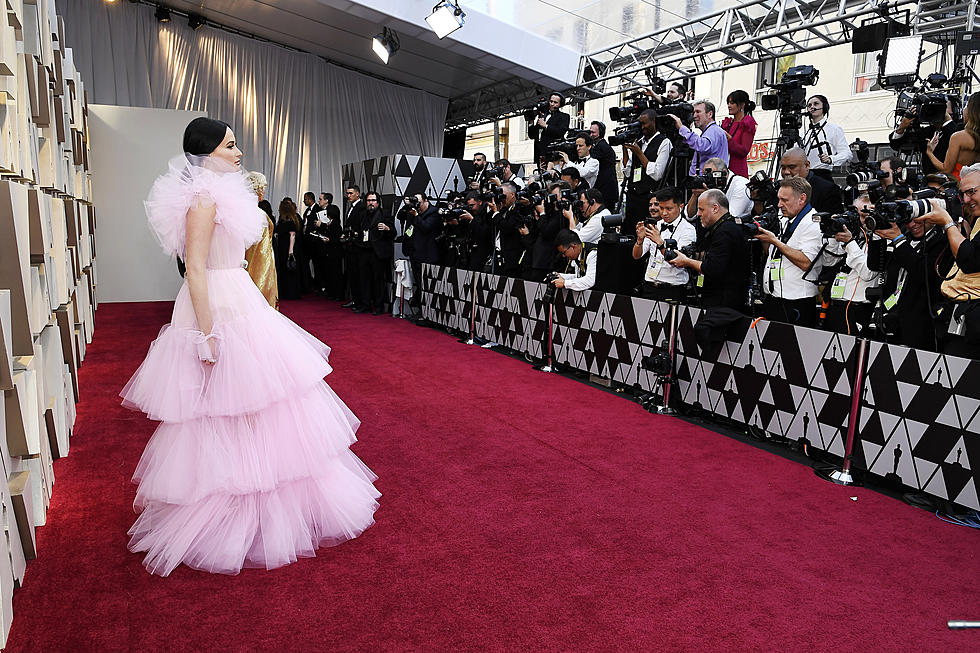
{"x": 163, "y": 14}
{"x": 446, "y": 18}
{"x": 196, "y": 21}
{"x": 385, "y": 44}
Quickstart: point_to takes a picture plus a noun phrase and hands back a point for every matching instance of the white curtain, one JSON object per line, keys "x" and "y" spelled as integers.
{"x": 297, "y": 117}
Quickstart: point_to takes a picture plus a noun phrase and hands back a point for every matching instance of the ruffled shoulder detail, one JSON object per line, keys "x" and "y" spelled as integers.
{"x": 190, "y": 182}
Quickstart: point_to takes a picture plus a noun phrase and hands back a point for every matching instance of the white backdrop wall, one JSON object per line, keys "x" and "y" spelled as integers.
{"x": 297, "y": 117}
{"x": 130, "y": 148}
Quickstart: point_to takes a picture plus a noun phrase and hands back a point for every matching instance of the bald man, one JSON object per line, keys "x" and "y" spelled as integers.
{"x": 826, "y": 194}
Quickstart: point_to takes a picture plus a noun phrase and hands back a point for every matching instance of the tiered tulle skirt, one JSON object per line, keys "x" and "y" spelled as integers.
{"x": 251, "y": 465}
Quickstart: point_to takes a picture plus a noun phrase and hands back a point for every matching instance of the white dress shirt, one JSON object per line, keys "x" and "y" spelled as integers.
{"x": 739, "y": 202}
{"x": 659, "y": 270}
{"x": 580, "y": 280}
{"x": 833, "y": 135}
{"x": 590, "y": 230}
{"x": 655, "y": 167}
{"x": 588, "y": 168}
{"x": 851, "y": 286}
{"x": 782, "y": 278}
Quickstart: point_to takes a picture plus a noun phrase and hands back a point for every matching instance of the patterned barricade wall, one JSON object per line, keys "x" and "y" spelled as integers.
{"x": 921, "y": 413}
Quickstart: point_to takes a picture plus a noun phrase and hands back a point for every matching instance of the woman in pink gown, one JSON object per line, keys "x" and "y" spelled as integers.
{"x": 251, "y": 464}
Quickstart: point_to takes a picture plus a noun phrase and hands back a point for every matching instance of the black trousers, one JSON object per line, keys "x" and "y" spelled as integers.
{"x": 333, "y": 261}
{"x": 375, "y": 275}
{"x": 361, "y": 284}
{"x": 801, "y": 312}
{"x": 661, "y": 292}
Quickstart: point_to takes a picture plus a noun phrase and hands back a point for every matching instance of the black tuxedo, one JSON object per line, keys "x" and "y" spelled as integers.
{"x": 481, "y": 239}
{"x": 374, "y": 258}
{"x": 508, "y": 222}
{"x": 353, "y": 230}
{"x": 557, "y": 126}
{"x": 826, "y": 194}
{"x": 333, "y": 251}
{"x": 606, "y": 182}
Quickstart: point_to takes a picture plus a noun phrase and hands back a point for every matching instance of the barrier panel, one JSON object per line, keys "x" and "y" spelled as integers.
{"x": 920, "y": 418}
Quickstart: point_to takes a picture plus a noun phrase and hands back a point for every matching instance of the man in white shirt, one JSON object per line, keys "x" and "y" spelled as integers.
{"x": 735, "y": 188}
{"x": 644, "y": 166}
{"x": 850, "y": 310}
{"x": 662, "y": 281}
{"x": 506, "y": 175}
{"x": 588, "y": 167}
{"x": 792, "y": 263}
{"x": 824, "y": 142}
{"x": 581, "y": 256}
{"x": 587, "y": 220}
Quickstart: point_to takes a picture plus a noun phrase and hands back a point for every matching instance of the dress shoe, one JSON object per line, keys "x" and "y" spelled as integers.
{"x": 348, "y": 305}
{"x": 357, "y": 309}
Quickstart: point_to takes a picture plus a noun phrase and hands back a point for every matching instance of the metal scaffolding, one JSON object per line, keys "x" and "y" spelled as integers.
{"x": 746, "y": 33}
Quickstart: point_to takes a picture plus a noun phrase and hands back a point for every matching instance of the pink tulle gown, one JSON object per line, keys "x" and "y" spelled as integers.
{"x": 251, "y": 464}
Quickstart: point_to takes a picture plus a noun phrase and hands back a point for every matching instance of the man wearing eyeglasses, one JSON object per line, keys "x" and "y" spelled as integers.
{"x": 354, "y": 234}
{"x": 962, "y": 283}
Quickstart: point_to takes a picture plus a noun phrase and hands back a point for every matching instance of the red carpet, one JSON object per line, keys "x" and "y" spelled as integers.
{"x": 521, "y": 512}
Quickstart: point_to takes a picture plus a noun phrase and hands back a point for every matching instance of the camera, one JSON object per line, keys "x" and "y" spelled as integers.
{"x": 551, "y": 291}
{"x": 496, "y": 172}
{"x": 568, "y": 146}
{"x": 671, "y": 249}
{"x": 541, "y": 109}
{"x": 762, "y": 188}
{"x": 413, "y": 202}
{"x": 612, "y": 221}
{"x": 638, "y": 103}
{"x": 683, "y": 110}
{"x": 628, "y": 134}
{"x": 833, "y": 224}
{"x": 789, "y": 94}
{"x": 768, "y": 220}
{"x": 658, "y": 363}
{"x": 710, "y": 179}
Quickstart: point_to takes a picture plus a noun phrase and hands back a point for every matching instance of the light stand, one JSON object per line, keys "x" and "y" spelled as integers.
{"x": 843, "y": 475}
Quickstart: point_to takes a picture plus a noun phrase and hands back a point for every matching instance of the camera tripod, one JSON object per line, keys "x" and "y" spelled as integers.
{"x": 788, "y": 139}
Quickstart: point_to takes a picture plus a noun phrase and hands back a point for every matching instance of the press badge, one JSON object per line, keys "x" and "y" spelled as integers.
{"x": 637, "y": 175}
{"x": 775, "y": 271}
{"x": 700, "y": 281}
{"x": 837, "y": 290}
{"x": 408, "y": 232}
{"x": 653, "y": 272}
{"x": 366, "y": 234}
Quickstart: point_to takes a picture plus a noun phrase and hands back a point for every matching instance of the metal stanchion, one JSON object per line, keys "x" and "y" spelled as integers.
{"x": 472, "y": 338}
{"x": 668, "y": 379}
{"x": 547, "y": 367}
{"x": 843, "y": 475}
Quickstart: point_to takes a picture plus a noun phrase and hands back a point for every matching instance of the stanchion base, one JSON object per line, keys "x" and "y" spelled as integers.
{"x": 662, "y": 410}
{"x": 837, "y": 476}
{"x": 545, "y": 368}
{"x": 471, "y": 341}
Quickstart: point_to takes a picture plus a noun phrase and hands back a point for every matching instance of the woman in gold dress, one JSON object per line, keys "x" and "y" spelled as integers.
{"x": 261, "y": 261}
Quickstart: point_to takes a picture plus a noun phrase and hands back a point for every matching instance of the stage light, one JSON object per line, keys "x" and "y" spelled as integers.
{"x": 446, "y": 18}
{"x": 385, "y": 44}
{"x": 163, "y": 14}
{"x": 196, "y": 21}
{"x": 901, "y": 60}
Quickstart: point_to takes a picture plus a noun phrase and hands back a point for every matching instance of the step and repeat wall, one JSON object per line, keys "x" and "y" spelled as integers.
{"x": 47, "y": 271}
{"x": 921, "y": 411}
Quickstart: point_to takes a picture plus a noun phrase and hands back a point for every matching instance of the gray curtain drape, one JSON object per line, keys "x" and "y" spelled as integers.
{"x": 297, "y": 117}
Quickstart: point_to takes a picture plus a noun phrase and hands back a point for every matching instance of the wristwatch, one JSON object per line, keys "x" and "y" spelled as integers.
{"x": 948, "y": 225}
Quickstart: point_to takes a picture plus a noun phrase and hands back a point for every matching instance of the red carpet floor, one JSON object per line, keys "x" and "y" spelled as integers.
{"x": 521, "y": 512}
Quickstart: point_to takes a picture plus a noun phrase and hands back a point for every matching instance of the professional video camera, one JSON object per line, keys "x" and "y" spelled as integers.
{"x": 681, "y": 109}
{"x": 541, "y": 109}
{"x": 637, "y": 103}
{"x": 628, "y": 134}
{"x": 865, "y": 176}
{"x": 925, "y": 105}
{"x": 789, "y": 97}
{"x": 904, "y": 211}
{"x": 553, "y": 150}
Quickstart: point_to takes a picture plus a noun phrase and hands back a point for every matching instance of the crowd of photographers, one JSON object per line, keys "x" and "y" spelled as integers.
{"x": 886, "y": 250}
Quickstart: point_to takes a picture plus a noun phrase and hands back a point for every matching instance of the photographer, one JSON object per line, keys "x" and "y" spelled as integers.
{"x": 789, "y": 294}
{"x": 662, "y": 281}
{"x": 675, "y": 93}
{"x": 890, "y": 167}
{"x": 826, "y": 196}
{"x": 964, "y": 145}
{"x": 644, "y": 165}
{"x": 713, "y": 140}
{"x": 582, "y": 256}
{"x": 480, "y": 169}
{"x": 423, "y": 226}
{"x": 602, "y": 152}
{"x": 549, "y": 125}
{"x": 502, "y": 174}
{"x": 573, "y": 178}
{"x": 588, "y": 167}
{"x": 825, "y": 145}
{"x": 850, "y": 310}
{"x": 585, "y": 215}
{"x": 900, "y": 139}
{"x": 735, "y": 188}
{"x": 352, "y": 226}
{"x": 962, "y": 285}
{"x": 550, "y": 220}
{"x": 508, "y": 222}
{"x": 478, "y": 216}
